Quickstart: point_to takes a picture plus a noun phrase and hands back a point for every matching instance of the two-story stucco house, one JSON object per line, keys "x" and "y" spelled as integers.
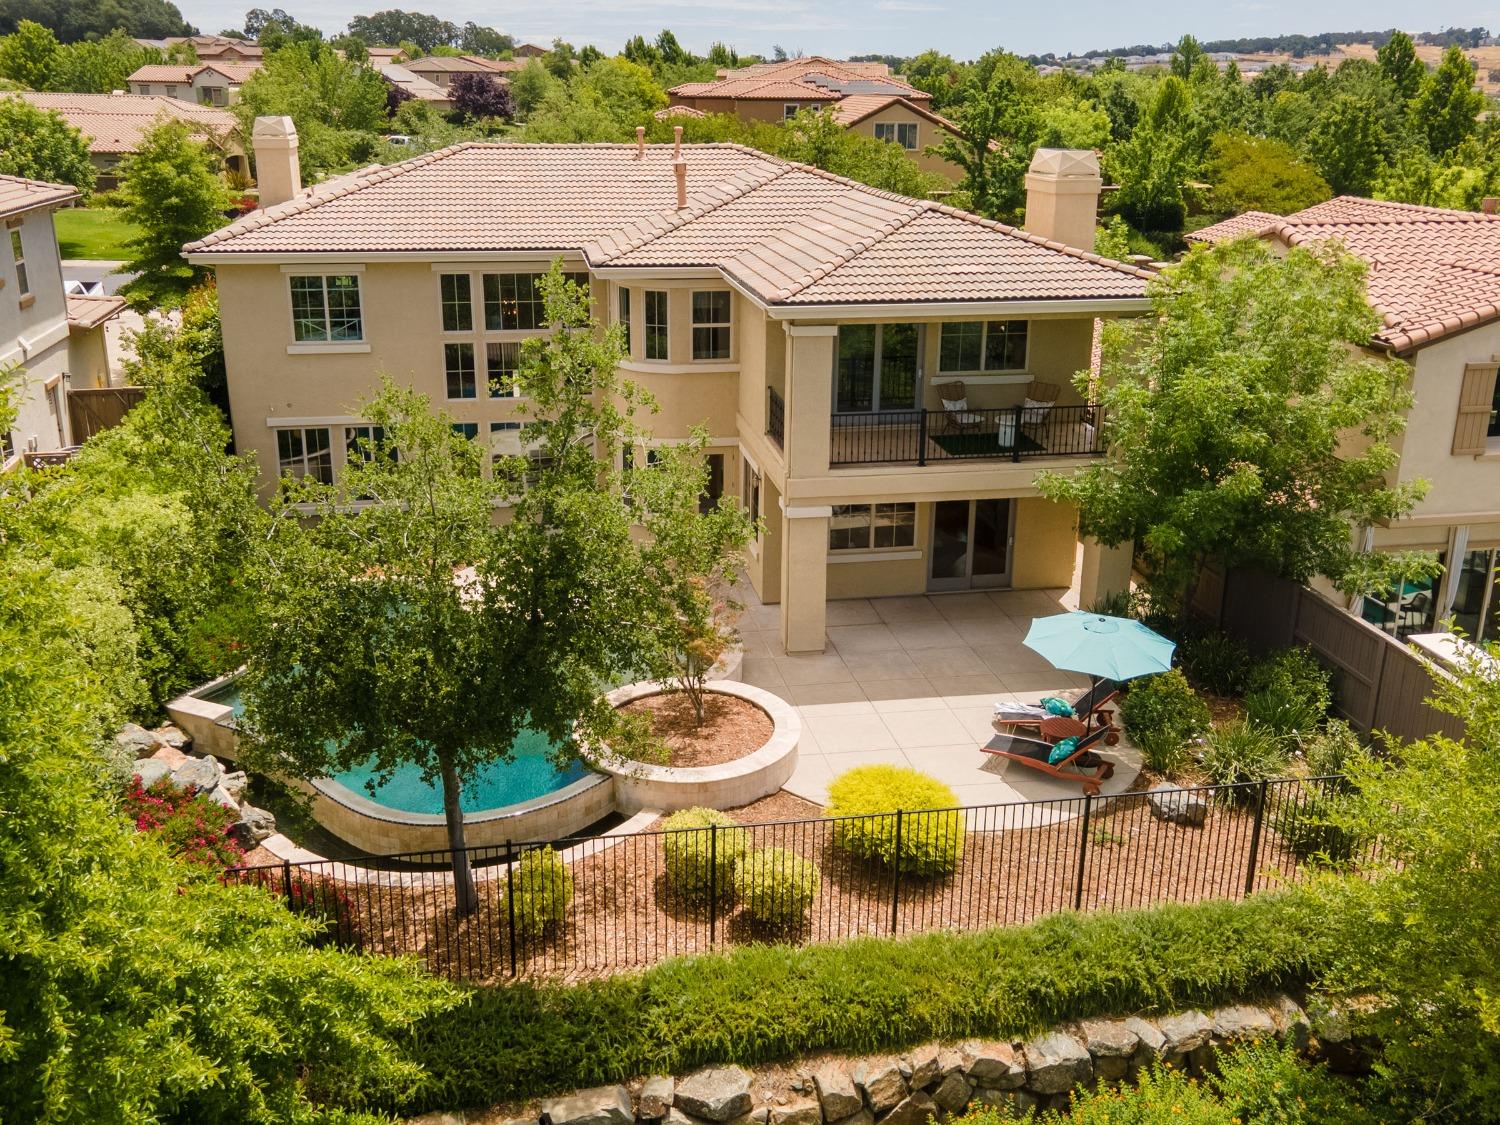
{"x": 208, "y": 83}
{"x": 1434, "y": 276}
{"x": 51, "y": 342}
{"x": 814, "y": 326}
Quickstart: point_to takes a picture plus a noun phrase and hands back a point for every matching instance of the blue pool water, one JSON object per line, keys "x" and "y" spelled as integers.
{"x": 531, "y": 774}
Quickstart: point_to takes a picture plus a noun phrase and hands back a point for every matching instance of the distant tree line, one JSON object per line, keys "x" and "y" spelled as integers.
{"x": 1299, "y": 46}
{"x": 74, "y": 20}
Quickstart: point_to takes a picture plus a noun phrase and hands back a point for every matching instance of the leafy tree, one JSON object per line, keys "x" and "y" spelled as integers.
{"x": 476, "y": 40}
{"x": 1228, "y": 413}
{"x": 670, "y": 50}
{"x": 1256, "y": 174}
{"x": 449, "y": 665}
{"x": 1186, "y": 57}
{"x": 1446, "y": 111}
{"x": 337, "y": 105}
{"x": 1417, "y": 178}
{"x": 102, "y": 65}
{"x": 721, "y": 56}
{"x": 40, "y": 145}
{"x": 629, "y": 90}
{"x": 1400, "y": 66}
{"x": 573, "y": 114}
{"x": 29, "y": 55}
{"x": 1348, "y": 146}
{"x": 1154, "y": 164}
{"x": 936, "y": 74}
{"x": 73, "y": 20}
{"x": 479, "y": 95}
{"x": 172, "y": 190}
{"x": 1070, "y": 122}
{"x": 997, "y": 127}
{"x": 530, "y": 86}
{"x": 560, "y": 60}
{"x": 394, "y": 27}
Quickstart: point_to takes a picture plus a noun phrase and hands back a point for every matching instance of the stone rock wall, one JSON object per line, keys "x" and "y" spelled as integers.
{"x": 166, "y": 754}
{"x": 934, "y": 1080}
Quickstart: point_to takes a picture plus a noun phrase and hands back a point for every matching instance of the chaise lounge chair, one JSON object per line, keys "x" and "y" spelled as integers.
{"x": 1034, "y": 752}
{"x": 1096, "y": 704}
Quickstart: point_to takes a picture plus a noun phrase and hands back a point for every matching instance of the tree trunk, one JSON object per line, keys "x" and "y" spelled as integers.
{"x": 465, "y": 898}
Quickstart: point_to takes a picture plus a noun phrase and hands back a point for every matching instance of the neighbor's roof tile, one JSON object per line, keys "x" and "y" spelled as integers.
{"x": 18, "y": 195}
{"x": 115, "y": 123}
{"x": 808, "y": 79}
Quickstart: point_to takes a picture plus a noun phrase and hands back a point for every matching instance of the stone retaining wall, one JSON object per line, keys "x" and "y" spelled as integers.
{"x": 934, "y": 1080}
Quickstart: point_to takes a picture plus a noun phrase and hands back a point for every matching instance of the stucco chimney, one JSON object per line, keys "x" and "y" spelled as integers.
{"x": 679, "y": 169}
{"x": 676, "y": 142}
{"x": 1062, "y": 195}
{"x": 1489, "y": 204}
{"x": 640, "y": 142}
{"x": 276, "y": 171}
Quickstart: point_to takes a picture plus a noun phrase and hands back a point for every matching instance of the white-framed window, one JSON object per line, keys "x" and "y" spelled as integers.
{"x": 361, "y": 441}
{"x": 622, "y": 313}
{"x": 513, "y": 301}
{"x": 18, "y": 257}
{"x": 171, "y": 91}
{"x": 466, "y": 430}
{"x": 711, "y": 323}
{"x": 458, "y": 307}
{"x": 326, "y": 308}
{"x": 903, "y": 133}
{"x": 458, "y": 370}
{"x": 303, "y": 451}
{"x": 502, "y": 358}
{"x": 789, "y": 110}
{"x": 656, "y": 324}
{"x": 983, "y": 345}
{"x": 750, "y": 491}
{"x": 872, "y": 527}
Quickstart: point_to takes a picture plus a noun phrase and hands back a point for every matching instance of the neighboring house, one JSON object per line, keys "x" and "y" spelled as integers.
{"x": 864, "y": 97}
{"x": 812, "y": 325}
{"x": 529, "y": 51}
{"x": 212, "y": 84}
{"x": 212, "y": 48}
{"x": 381, "y": 56}
{"x": 441, "y": 69}
{"x": 55, "y": 342}
{"x": 419, "y": 88}
{"x": 113, "y": 125}
{"x": 1433, "y": 276}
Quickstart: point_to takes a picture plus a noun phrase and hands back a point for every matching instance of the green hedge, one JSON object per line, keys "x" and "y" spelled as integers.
{"x": 765, "y": 1002}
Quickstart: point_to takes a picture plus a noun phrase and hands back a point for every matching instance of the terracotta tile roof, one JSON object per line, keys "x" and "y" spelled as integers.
{"x": 414, "y": 84}
{"x": 115, "y": 123}
{"x": 18, "y": 195}
{"x": 86, "y": 311}
{"x": 809, "y": 79}
{"x": 1432, "y": 271}
{"x": 237, "y": 73}
{"x": 787, "y": 233}
{"x": 1236, "y": 226}
{"x": 457, "y": 64}
{"x": 856, "y": 107}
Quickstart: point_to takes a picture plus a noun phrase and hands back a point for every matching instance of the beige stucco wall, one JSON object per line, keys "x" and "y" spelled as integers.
{"x": 1046, "y": 544}
{"x": 88, "y": 358}
{"x": 929, "y": 134}
{"x": 34, "y": 330}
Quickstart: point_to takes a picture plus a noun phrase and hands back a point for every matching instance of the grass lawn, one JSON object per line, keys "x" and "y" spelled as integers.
{"x": 93, "y": 232}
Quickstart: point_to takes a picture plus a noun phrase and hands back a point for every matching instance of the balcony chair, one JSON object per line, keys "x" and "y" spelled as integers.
{"x": 957, "y": 417}
{"x": 1033, "y": 752}
{"x": 1040, "y": 399}
{"x": 1094, "y": 705}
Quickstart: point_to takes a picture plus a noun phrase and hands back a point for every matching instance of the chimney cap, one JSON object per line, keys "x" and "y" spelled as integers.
{"x": 1068, "y": 162}
{"x": 1490, "y": 204}
{"x": 272, "y": 127}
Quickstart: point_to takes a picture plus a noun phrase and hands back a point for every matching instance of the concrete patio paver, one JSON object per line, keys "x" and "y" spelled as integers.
{"x": 913, "y": 681}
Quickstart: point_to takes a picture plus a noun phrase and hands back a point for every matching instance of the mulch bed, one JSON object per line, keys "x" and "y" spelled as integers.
{"x": 732, "y": 727}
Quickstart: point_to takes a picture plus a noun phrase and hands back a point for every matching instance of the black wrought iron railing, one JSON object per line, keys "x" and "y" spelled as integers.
{"x": 1009, "y": 433}
{"x": 775, "y": 416}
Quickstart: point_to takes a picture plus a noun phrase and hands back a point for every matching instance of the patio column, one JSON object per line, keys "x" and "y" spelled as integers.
{"x": 809, "y": 397}
{"x": 1105, "y": 571}
{"x": 804, "y": 578}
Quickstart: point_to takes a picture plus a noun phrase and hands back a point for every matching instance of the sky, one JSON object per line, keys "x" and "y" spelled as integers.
{"x": 962, "y": 28}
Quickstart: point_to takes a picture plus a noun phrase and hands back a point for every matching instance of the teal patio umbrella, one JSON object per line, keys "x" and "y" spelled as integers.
{"x": 1112, "y": 648}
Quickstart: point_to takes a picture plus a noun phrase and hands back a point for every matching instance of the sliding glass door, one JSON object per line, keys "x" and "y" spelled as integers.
{"x": 878, "y": 368}
{"x": 971, "y": 544}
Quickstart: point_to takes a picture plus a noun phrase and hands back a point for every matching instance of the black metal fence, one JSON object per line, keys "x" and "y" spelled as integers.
{"x": 775, "y": 416}
{"x": 1010, "y": 433}
{"x": 599, "y": 905}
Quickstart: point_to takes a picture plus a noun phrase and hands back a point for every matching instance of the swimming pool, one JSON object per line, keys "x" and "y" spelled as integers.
{"x": 532, "y": 774}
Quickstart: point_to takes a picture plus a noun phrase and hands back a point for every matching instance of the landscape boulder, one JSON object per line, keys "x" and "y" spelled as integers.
{"x": 916, "y": 1109}
{"x": 656, "y": 1096}
{"x": 1185, "y": 1031}
{"x": 253, "y": 826}
{"x": 200, "y": 773}
{"x": 995, "y": 1066}
{"x": 803, "y": 1111}
{"x": 136, "y": 739}
{"x": 925, "y": 1066}
{"x": 169, "y": 735}
{"x": 1055, "y": 1063}
{"x": 1177, "y": 805}
{"x": 171, "y": 755}
{"x": 1241, "y": 1023}
{"x": 151, "y": 770}
{"x": 952, "y": 1093}
{"x": 882, "y": 1083}
{"x": 836, "y": 1092}
{"x": 716, "y": 1093}
{"x": 1112, "y": 1045}
{"x": 603, "y": 1105}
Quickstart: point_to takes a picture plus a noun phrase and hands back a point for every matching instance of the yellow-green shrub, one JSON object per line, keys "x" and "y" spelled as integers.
{"x": 776, "y": 886}
{"x": 543, "y": 888}
{"x": 702, "y": 847}
{"x": 931, "y": 842}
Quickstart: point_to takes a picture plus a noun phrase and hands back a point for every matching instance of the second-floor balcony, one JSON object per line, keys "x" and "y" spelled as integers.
{"x": 921, "y": 437}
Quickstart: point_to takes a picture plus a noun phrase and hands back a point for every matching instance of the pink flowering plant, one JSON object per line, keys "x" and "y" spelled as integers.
{"x": 192, "y": 826}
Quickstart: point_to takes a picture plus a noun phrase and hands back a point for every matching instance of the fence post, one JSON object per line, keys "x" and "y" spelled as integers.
{"x": 286, "y": 881}
{"x": 896, "y": 882}
{"x": 1260, "y": 815}
{"x": 1015, "y": 451}
{"x": 921, "y": 437}
{"x": 1083, "y": 850}
{"x": 713, "y": 883}
{"x": 510, "y": 900}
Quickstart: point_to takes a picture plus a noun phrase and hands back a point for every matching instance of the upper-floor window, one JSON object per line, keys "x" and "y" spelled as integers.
{"x": 362, "y": 441}
{"x": 865, "y": 527}
{"x": 711, "y": 327}
{"x": 903, "y": 133}
{"x": 466, "y": 430}
{"x": 458, "y": 309}
{"x": 501, "y": 360}
{"x": 513, "y": 301}
{"x": 656, "y": 324}
{"x": 624, "y": 315}
{"x": 304, "y": 452}
{"x": 458, "y": 368}
{"x": 325, "y": 309}
{"x": 987, "y": 345}
{"x": 18, "y": 256}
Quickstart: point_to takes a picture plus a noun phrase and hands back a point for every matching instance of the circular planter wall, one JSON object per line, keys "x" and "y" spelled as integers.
{"x": 642, "y": 785}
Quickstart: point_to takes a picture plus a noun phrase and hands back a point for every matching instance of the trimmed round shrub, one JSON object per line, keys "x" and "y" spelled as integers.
{"x": 1237, "y": 753}
{"x": 702, "y": 847}
{"x": 776, "y": 887}
{"x": 1161, "y": 713}
{"x": 1215, "y": 661}
{"x": 543, "y": 888}
{"x": 931, "y": 841}
{"x": 1289, "y": 694}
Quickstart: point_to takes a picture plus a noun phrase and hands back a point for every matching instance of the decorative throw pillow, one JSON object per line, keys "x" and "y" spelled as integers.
{"x": 1062, "y": 751}
{"x": 954, "y": 405}
{"x": 1034, "y": 413}
{"x": 1055, "y": 706}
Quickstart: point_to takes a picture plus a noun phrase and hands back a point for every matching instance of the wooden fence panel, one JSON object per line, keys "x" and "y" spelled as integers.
{"x": 1355, "y": 650}
{"x": 92, "y": 409}
{"x": 1261, "y": 609}
{"x": 1402, "y": 708}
